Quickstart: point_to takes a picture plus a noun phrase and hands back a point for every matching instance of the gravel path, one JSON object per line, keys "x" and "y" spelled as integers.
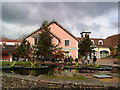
{"x": 14, "y": 80}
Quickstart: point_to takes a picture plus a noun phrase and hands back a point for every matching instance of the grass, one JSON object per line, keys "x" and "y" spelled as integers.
{"x": 18, "y": 63}
{"x": 65, "y": 77}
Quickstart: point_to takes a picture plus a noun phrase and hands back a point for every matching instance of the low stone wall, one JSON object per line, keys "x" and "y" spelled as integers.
{"x": 10, "y": 82}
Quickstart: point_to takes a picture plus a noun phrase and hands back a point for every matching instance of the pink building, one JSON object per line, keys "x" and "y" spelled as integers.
{"x": 62, "y": 37}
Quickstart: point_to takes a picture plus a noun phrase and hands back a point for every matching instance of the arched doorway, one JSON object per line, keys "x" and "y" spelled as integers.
{"x": 104, "y": 53}
{"x": 67, "y": 53}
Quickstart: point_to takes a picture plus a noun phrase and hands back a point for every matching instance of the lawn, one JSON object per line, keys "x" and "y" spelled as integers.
{"x": 18, "y": 63}
{"x": 80, "y": 77}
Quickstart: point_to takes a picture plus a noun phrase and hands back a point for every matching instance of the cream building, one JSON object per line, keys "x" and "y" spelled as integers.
{"x": 101, "y": 47}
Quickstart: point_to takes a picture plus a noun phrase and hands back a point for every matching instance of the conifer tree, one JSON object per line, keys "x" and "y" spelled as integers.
{"x": 24, "y": 50}
{"x": 44, "y": 45}
{"x": 84, "y": 45}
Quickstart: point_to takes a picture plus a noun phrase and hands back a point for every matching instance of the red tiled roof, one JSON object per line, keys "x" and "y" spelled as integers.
{"x": 110, "y": 41}
{"x": 96, "y": 42}
{"x": 39, "y": 30}
{"x": 10, "y": 40}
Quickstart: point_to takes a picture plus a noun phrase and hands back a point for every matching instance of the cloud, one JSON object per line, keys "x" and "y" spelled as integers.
{"x": 14, "y": 12}
{"x": 13, "y": 31}
{"x": 74, "y": 16}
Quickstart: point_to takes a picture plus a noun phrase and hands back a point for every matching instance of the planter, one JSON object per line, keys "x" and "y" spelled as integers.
{"x": 89, "y": 68}
{"x": 39, "y": 68}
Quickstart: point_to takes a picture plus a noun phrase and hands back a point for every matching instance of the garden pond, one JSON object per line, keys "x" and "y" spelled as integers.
{"x": 53, "y": 70}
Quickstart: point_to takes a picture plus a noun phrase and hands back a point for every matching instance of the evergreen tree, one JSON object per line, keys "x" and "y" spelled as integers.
{"x": 44, "y": 45}
{"x": 84, "y": 45}
{"x": 24, "y": 50}
{"x": 58, "y": 53}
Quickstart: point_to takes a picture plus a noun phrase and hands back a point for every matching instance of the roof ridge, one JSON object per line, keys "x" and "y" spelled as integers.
{"x": 51, "y": 32}
{"x": 39, "y": 30}
{"x": 63, "y": 28}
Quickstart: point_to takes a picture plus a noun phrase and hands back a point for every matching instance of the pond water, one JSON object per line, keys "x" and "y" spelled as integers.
{"x": 27, "y": 72}
{"x": 48, "y": 70}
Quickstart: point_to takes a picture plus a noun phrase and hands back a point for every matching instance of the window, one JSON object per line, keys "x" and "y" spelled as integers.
{"x": 104, "y": 53}
{"x": 67, "y": 42}
{"x": 100, "y": 42}
{"x": 36, "y": 41}
{"x": 92, "y": 41}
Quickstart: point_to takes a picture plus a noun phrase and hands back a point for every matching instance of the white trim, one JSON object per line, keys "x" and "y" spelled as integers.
{"x": 101, "y": 42}
{"x": 93, "y": 41}
{"x": 57, "y": 42}
{"x": 69, "y": 42}
{"x": 70, "y": 48}
{"x": 10, "y": 43}
{"x": 76, "y": 44}
{"x": 76, "y": 53}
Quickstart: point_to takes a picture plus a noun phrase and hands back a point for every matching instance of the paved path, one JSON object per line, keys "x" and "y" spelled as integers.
{"x": 109, "y": 62}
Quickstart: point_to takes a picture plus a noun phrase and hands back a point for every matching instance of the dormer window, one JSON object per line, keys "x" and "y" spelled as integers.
{"x": 92, "y": 41}
{"x": 100, "y": 42}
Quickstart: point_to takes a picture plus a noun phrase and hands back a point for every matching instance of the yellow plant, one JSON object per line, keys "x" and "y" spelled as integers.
{"x": 77, "y": 64}
{"x": 88, "y": 65}
{"x": 96, "y": 66}
{"x": 13, "y": 64}
{"x": 33, "y": 64}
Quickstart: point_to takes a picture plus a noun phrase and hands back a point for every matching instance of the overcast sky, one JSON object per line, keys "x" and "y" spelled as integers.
{"x": 21, "y": 18}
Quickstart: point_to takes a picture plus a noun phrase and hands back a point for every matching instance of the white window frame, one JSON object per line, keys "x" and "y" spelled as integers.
{"x": 100, "y": 41}
{"x": 10, "y": 43}
{"x": 93, "y": 41}
{"x": 66, "y": 39}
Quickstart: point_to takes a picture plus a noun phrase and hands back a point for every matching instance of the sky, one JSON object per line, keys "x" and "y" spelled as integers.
{"x": 21, "y": 18}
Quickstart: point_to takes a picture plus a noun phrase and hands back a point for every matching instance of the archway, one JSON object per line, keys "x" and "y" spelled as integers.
{"x": 104, "y": 53}
{"x": 67, "y": 53}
